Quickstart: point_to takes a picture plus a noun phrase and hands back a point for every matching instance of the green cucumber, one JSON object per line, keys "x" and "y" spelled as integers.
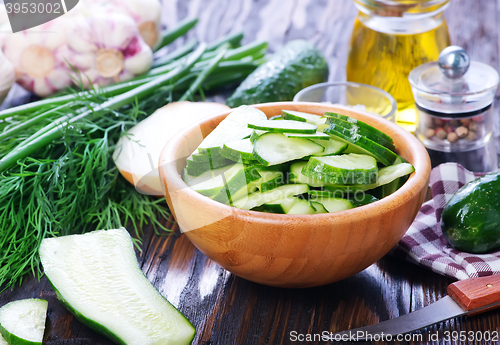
{"x": 301, "y": 206}
{"x": 258, "y": 199}
{"x": 211, "y": 182}
{"x": 470, "y": 220}
{"x": 276, "y": 148}
{"x": 269, "y": 180}
{"x": 238, "y": 150}
{"x": 317, "y": 135}
{"x": 256, "y": 134}
{"x": 344, "y": 169}
{"x": 361, "y": 199}
{"x": 23, "y": 322}
{"x": 335, "y": 204}
{"x": 314, "y": 119}
{"x": 369, "y": 132}
{"x": 332, "y": 147}
{"x": 361, "y": 124}
{"x": 363, "y": 144}
{"x": 281, "y": 206}
{"x": 97, "y": 277}
{"x": 197, "y": 168}
{"x": 236, "y": 183}
{"x": 285, "y": 126}
{"x": 318, "y": 207}
{"x": 233, "y": 127}
{"x": 296, "y": 66}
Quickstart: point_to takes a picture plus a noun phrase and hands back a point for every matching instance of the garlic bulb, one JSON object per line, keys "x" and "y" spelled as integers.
{"x": 145, "y": 13}
{"x": 38, "y": 56}
{"x": 107, "y": 48}
{"x": 7, "y": 76}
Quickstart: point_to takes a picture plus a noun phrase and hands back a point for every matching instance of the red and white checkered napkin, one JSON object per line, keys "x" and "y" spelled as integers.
{"x": 424, "y": 242}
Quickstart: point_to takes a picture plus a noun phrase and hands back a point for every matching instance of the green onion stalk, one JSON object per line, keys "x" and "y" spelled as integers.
{"x": 57, "y": 175}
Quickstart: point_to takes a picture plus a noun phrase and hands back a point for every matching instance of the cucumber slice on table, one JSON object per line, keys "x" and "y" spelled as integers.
{"x": 361, "y": 124}
{"x": 97, "y": 277}
{"x": 285, "y": 126}
{"x": 23, "y": 322}
{"x": 369, "y": 132}
{"x": 238, "y": 150}
{"x": 258, "y": 199}
{"x": 363, "y": 144}
{"x": 276, "y": 148}
{"x": 344, "y": 169}
{"x": 233, "y": 127}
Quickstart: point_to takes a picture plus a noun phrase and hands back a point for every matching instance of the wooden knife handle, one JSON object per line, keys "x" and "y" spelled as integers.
{"x": 476, "y": 293}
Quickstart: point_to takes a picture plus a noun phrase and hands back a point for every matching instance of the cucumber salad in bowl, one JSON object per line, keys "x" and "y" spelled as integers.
{"x": 295, "y": 163}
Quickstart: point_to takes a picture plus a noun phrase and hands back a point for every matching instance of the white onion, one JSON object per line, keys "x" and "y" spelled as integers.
{"x": 137, "y": 153}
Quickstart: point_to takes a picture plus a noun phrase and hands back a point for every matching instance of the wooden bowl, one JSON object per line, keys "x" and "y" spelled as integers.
{"x": 294, "y": 250}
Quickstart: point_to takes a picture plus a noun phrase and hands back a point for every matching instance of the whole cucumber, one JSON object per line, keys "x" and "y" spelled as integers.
{"x": 471, "y": 218}
{"x": 297, "y": 65}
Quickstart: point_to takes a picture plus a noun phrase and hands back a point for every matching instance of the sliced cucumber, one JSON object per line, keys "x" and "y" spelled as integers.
{"x": 317, "y": 135}
{"x": 344, "y": 169}
{"x": 371, "y": 133}
{"x": 23, "y": 322}
{"x": 97, "y": 277}
{"x": 361, "y": 124}
{"x": 233, "y": 127}
{"x": 197, "y": 168}
{"x": 362, "y": 198}
{"x": 301, "y": 206}
{"x": 256, "y": 134}
{"x": 269, "y": 180}
{"x": 314, "y": 119}
{"x": 238, "y": 150}
{"x": 258, "y": 199}
{"x": 386, "y": 175}
{"x": 283, "y": 167}
{"x": 210, "y": 182}
{"x": 318, "y": 207}
{"x": 332, "y": 147}
{"x": 285, "y": 126}
{"x": 296, "y": 176}
{"x": 281, "y": 206}
{"x": 236, "y": 183}
{"x": 363, "y": 145}
{"x": 335, "y": 204}
{"x": 276, "y": 148}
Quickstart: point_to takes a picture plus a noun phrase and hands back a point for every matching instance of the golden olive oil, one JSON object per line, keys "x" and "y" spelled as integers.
{"x": 385, "y": 60}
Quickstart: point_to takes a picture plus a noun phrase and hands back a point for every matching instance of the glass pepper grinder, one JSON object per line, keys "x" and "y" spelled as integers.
{"x": 454, "y": 101}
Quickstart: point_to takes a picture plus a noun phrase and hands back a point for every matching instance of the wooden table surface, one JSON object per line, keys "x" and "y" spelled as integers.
{"x": 229, "y": 310}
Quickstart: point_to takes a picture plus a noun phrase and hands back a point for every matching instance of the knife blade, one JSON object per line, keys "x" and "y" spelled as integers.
{"x": 466, "y": 297}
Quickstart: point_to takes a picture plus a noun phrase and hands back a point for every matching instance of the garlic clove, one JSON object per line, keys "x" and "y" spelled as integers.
{"x": 140, "y": 62}
{"x": 7, "y": 76}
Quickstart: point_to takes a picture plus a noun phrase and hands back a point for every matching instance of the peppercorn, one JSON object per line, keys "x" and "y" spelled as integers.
{"x": 462, "y": 132}
{"x": 452, "y": 137}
